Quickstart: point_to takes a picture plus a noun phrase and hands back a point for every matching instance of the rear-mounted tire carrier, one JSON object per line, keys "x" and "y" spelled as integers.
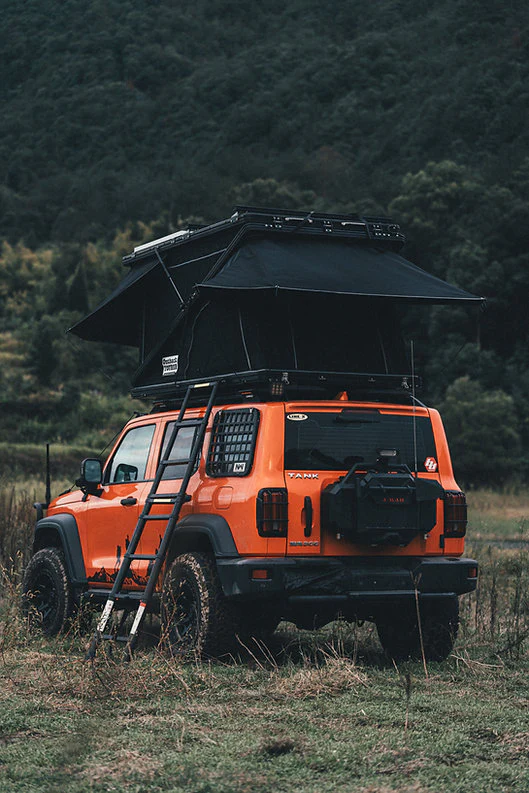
{"x": 380, "y": 504}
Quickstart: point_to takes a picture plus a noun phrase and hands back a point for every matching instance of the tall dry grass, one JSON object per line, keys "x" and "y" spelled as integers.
{"x": 17, "y": 517}
{"x": 494, "y": 619}
{"x": 17, "y": 520}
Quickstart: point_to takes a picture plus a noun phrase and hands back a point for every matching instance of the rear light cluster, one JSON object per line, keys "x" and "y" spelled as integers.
{"x": 272, "y": 512}
{"x": 455, "y": 514}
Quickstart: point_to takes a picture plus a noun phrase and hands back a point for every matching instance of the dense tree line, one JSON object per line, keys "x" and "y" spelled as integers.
{"x": 133, "y": 115}
{"x": 475, "y": 365}
{"x": 120, "y": 110}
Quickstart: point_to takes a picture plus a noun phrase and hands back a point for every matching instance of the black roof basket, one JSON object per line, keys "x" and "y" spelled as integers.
{"x": 268, "y": 385}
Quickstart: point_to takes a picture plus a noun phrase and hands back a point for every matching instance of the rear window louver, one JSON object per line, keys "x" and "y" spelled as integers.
{"x": 232, "y": 445}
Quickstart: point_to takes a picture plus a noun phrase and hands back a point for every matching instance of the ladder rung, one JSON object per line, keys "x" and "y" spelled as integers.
{"x": 138, "y": 595}
{"x": 189, "y": 422}
{"x": 171, "y": 498}
{"x": 155, "y": 496}
{"x": 156, "y": 517}
{"x": 111, "y": 637}
{"x": 133, "y": 556}
{"x": 127, "y": 598}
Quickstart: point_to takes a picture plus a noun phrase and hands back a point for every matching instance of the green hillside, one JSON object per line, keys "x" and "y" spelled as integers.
{"x": 121, "y": 119}
{"x": 117, "y": 111}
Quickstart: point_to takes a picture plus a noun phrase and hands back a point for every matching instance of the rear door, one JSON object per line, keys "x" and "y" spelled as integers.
{"x": 305, "y": 476}
{"x": 323, "y": 444}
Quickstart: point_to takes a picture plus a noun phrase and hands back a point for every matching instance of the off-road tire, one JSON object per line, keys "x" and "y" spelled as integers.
{"x": 47, "y": 594}
{"x": 399, "y": 635}
{"x": 196, "y": 618}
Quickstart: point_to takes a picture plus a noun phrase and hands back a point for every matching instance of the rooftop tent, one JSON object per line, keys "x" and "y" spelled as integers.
{"x": 266, "y": 291}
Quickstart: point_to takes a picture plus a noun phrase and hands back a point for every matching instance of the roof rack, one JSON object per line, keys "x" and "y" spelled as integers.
{"x": 274, "y": 385}
{"x": 380, "y": 230}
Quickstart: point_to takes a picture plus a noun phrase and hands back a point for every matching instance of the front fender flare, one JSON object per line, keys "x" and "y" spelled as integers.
{"x": 64, "y": 528}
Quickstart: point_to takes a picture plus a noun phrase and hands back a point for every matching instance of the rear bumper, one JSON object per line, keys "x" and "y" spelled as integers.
{"x": 358, "y": 585}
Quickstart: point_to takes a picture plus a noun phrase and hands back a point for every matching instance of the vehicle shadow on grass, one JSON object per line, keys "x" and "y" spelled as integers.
{"x": 289, "y": 645}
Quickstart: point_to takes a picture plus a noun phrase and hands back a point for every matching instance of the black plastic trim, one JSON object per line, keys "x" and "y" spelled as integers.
{"x": 65, "y": 528}
{"x": 214, "y": 528}
{"x": 333, "y": 579}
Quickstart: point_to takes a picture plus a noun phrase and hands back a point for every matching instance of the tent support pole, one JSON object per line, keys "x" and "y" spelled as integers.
{"x": 166, "y": 271}
{"x": 241, "y": 326}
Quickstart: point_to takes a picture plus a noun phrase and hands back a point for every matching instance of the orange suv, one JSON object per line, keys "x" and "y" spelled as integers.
{"x": 303, "y": 511}
{"x": 313, "y": 485}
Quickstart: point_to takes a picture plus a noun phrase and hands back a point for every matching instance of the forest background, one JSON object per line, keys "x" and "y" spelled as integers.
{"x": 122, "y": 121}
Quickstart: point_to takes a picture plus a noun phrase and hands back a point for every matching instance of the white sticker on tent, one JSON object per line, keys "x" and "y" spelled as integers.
{"x": 169, "y": 365}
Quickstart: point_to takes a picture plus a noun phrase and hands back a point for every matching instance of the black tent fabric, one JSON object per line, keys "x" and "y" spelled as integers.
{"x": 266, "y": 291}
{"x": 147, "y": 299}
{"x": 111, "y": 320}
{"x": 331, "y": 266}
{"x": 257, "y": 299}
{"x": 256, "y": 331}
{"x": 297, "y": 264}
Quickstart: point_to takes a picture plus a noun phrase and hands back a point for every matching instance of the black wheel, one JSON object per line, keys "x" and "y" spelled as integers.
{"x": 196, "y": 618}
{"x": 47, "y": 595}
{"x": 399, "y": 635}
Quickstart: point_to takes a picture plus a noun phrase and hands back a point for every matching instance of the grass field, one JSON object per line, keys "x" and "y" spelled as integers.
{"x": 310, "y": 712}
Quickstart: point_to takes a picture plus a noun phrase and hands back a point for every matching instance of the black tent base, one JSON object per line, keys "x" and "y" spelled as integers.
{"x": 269, "y": 385}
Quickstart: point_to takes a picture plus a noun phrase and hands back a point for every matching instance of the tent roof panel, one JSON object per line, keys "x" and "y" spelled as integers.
{"x": 331, "y": 266}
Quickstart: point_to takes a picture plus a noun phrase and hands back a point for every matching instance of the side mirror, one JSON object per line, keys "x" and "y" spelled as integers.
{"x": 91, "y": 476}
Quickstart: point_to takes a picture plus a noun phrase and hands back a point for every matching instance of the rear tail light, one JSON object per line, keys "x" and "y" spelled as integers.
{"x": 272, "y": 512}
{"x": 455, "y": 514}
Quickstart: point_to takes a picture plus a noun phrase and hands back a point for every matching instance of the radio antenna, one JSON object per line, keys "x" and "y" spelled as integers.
{"x": 47, "y": 497}
{"x": 414, "y": 409}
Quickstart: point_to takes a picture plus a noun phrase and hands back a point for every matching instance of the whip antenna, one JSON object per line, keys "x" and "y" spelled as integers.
{"x": 47, "y": 497}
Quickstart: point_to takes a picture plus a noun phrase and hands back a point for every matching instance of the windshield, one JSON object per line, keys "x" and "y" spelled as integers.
{"x": 337, "y": 441}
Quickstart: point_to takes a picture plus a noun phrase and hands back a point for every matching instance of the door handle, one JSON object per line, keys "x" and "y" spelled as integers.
{"x": 307, "y": 505}
{"x": 129, "y": 502}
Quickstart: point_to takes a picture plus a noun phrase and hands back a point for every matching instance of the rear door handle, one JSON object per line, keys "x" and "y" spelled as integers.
{"x": 308, "y": 515}
{"x": 129, "y": 502}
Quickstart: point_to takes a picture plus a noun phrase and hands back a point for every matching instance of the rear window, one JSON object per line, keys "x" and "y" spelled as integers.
{"x": 232, "y": 445}
{"x": 336, "y": 441}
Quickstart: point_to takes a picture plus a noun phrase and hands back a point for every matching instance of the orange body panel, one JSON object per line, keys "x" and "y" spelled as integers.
{"x": 105, "y": 524}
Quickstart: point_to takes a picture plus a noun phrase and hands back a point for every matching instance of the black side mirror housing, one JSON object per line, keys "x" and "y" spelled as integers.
{"x": 91, "y": 476}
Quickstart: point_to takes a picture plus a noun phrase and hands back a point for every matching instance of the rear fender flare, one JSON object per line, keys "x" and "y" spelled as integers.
{"x": 203, "y": 533}
{"x": 61, "y": 531}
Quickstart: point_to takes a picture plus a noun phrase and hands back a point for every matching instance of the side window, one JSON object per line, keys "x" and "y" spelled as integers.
{"x": 130, "y": 460}
{"x": 232, "y": 443}
{"x": 180, "y": 451}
